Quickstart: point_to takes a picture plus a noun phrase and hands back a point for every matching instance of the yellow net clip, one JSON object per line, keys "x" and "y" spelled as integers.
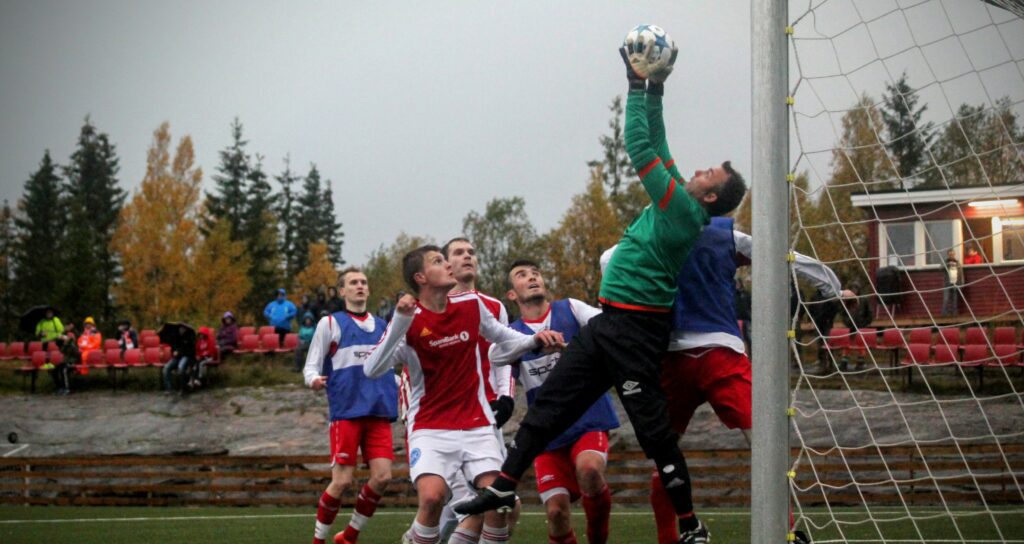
{"x": 790, "y": 101}
{"x": 791, "y": 334}
{"x": 789, "y": 30}
{"x": 791, "y": 474}
{"x": 790, "y": 537}
{"x": 791, "y": 177}
{"x": 790, "y": 412}
{"x": 791, "y": 257}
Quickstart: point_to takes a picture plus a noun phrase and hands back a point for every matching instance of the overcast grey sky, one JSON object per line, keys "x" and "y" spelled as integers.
{"x": 419, "y": 112}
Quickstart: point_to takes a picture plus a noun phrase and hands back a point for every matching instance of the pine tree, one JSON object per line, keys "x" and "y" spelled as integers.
{"x": 502, "y": 234}
{"x": 94, "y": 205}
{"x": 39, "y": 266}
{"x": 909, "y": 138}
{"x": 259, "y": 232}
{"x": 332, "y": 234}
{"x": 8, "y": 312}
{"x": 286, "y": 213}
{"x": 624, "y": 189}
{"x": 229, "y": 201}
{"x": 980, "y": 147}
{"x": 308, "y": 217}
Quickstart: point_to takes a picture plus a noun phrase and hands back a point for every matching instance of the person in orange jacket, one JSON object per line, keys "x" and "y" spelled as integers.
{"x": 90, "y": 340}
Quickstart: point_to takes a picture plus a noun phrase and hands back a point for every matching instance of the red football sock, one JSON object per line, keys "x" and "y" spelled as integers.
{"x": 366, "y": 505}
{"x": 598, "y": 508}
{"x": 326, "y": 511}
{"x": 568, "y": 538}
{"x": 664, "y": 513}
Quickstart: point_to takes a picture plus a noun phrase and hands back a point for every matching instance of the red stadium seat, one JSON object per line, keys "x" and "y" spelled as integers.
{"x": 16, "y": 350}
{"x": 3, "y": 351}
{"x": 34, "y": 347}
{"x": 1006, "y": 355}
{"x": 242, "y": 331}
{"x": 165, "y": 352}
{"x": 920, "y": 336}
{"x": 38, "y": 358}
{"x": 269, "y": 342}
{"x": 151, "y": 357}
{"x": 150, "y": 341}
{"x": 917, "y": 354}
{"x": 291, "y": 341}
{"x": 1006, "y": 336}
{"x": 56, "y": 357}
{"x": 95, "y": 359}
{"x": 949, "y": 336}
{"x": 864, "y": 340}
{"x": 113, "y": 357}
{"x": 111, "y": 343}
{"x": 946, "y": 354}
{"x": 249, "y": 344}
{"x": 133, "y": 357}
{"x": 266, "y": 329}
{"x": 976, "y": 336}
{"x": 976, "y": 354}
{"x": 893, "y": 339}
{"x": 838, "y": 338}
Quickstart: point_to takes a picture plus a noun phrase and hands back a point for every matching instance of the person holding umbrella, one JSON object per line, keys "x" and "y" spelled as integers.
{"x": 182, "y": 339}
{"x": 90, "y": 340}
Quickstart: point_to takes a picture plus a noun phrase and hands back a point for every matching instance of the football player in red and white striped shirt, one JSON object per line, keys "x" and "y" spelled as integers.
{"x": 449, "y": 421}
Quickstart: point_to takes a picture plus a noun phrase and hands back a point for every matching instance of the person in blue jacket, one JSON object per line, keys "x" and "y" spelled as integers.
{"x": 280, "y": 313}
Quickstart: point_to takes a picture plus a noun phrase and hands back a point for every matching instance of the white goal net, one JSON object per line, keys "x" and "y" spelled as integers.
{"x": 907, "y": 161}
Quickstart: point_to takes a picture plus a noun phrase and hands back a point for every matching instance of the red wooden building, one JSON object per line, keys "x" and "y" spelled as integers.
{"x": 913, "y": 231}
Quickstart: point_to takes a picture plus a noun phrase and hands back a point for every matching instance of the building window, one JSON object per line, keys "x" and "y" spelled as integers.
{"x": 1009, "y": 235}
{"x": 938, "y": 240}
{"x": 899, "y": 250}
{"x": 920, "y": 244}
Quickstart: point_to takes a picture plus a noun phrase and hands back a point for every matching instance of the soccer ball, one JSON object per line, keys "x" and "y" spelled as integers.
{"x": 653, "y": 43}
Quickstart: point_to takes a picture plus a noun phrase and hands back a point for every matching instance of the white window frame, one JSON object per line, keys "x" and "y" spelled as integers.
{"x": 920, "y": 243}
{"x": 997, "y": 241}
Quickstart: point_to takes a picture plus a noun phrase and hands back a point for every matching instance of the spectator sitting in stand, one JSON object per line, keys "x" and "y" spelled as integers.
{"x": 90, "y": 340}
{"x": 183, "y": 355}
{"x": 227, "y": 335}
{"x": 206, "y": 351}
{"x": 127, "y": 337}
{"x": 49, "y": 328}
{"x": 335, "y": 303}
{"x": 280, "y": 312}
{"x": 306, "y": 330}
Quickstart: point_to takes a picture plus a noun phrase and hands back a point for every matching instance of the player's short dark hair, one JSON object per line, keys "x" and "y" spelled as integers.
{"x": 444, "y": 249}
{"x": 412, "y": 264}
{"x": 517, "y": 263}
{"x": 349, "y": 270}
{"x": 730, "y": 193}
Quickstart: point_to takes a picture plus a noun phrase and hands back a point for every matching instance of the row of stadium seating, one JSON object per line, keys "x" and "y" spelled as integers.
{"x": 861, "y": 341}
{"x": 265, "y": 342}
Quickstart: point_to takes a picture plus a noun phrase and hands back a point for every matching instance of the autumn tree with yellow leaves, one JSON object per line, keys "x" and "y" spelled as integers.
{"x": 319, "y": 273}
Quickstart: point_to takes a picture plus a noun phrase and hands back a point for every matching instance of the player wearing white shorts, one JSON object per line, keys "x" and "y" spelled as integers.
{"x": 499, "y": 388}
{"x": 450, "y": 422}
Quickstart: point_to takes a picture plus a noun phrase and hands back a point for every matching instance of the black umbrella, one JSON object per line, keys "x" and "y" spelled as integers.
{"x": 170, "y": 334}
{"x": 31, "y": 318}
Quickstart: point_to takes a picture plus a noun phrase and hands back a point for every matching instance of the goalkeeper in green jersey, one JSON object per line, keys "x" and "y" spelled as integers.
{"x": 623, "y": 347}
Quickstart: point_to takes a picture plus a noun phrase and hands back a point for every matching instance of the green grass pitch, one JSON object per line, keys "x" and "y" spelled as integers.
{"x": 112, "y": 525}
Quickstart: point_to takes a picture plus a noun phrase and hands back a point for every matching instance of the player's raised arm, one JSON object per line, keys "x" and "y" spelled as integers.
{"x": 508, "y": 345}
{"x": 818, "y": 273}
{"x": 388, "y": 352}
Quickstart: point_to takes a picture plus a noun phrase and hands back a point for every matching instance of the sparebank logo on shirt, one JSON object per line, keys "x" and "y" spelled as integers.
{"x": 449, "y": 340}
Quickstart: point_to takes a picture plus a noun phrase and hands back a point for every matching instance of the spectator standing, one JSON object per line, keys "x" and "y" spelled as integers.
{"x": 954, "y": 278}
{"x": 227, "y": 335}
{"x": 90, "y": 340}
{"x": 127, "y": 337}
{"x": 305, "y": 305}
{"x": 320, "y": 306}
{"x": 206, "y": 351}
{"x": 183, "y": 355}
{"x": 306, "y": 330}
{"x": 972, "y": 257}
{"x": 280, "y": 312}
{"x": 49, "y": 328}
{"x": 67, "y": 342}
{"x": 335, "y": 303}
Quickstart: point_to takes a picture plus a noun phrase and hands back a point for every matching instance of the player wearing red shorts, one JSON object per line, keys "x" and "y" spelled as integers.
{"x": 573, "y": 464}
{"x": 706, "y": 359}
{"x": 361, "y": 408}
{"x": 450, "y": 424}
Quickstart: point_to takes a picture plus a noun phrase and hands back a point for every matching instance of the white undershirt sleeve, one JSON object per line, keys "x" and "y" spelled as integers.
{"x": 808, "y": 268}
{"x": 319, "y": 348}
{"x": 390, "y": 350}
{"x": 508, "y": 344}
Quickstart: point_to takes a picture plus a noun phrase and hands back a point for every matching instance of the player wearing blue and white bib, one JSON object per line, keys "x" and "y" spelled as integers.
{"x": 361, "y": 408}
{"x": 573, "y": 464}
